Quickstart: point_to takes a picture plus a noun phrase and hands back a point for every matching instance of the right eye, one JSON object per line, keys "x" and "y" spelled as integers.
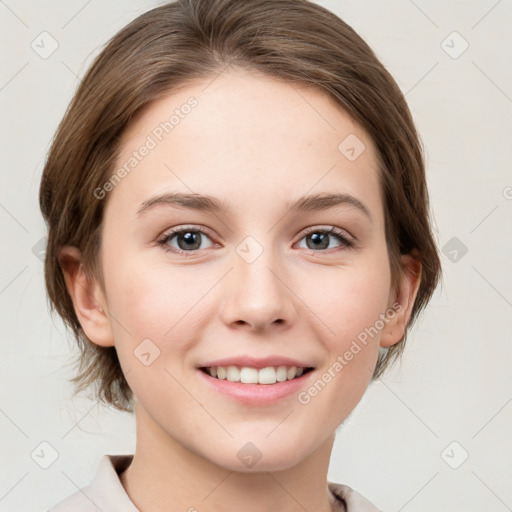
{"x": 187, "y": 240}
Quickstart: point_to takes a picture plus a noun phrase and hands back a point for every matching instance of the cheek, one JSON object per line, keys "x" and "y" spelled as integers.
{"x": 164, "y": 306}
{"x": 351, "y": 299}
{"x": 351, "y": 304}
{"x": 153, "y": 300}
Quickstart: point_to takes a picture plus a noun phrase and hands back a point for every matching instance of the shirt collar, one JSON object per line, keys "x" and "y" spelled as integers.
{"x": 107, "y": 489}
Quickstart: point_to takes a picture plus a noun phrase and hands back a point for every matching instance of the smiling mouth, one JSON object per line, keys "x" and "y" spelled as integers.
{"x": 246, "y": 375}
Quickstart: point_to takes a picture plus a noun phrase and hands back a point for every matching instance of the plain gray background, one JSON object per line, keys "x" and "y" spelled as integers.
{"x": 405, "y": 444}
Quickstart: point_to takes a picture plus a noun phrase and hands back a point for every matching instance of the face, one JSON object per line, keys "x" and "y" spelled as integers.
{"x": 187, "y": 286}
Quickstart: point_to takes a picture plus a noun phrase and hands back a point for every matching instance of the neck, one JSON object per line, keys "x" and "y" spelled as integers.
{"x": 165, "y": 475}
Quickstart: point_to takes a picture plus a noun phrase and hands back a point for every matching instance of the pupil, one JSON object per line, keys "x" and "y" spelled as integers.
{"x": 191, "y": 240}
{"x": 319, "y": 239}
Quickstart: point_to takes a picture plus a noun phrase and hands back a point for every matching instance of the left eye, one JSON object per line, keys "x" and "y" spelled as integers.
{"x": 319, "y": 238}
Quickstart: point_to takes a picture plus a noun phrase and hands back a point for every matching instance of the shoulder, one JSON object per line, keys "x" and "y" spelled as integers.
{"x": 104, "y": 493}
{"x": 80, "y": 501}
{"x": 350, "y": 500}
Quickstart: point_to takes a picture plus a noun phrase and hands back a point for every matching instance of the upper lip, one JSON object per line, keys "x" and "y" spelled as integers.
{"x": 254, "y": 362}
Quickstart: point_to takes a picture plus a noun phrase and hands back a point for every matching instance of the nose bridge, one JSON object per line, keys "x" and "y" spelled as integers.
{"x": 257, "y": 294}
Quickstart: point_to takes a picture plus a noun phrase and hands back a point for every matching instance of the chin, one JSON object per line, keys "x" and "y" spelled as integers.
{"x": 257, "y": 456}
{"x": 264, "y": 464}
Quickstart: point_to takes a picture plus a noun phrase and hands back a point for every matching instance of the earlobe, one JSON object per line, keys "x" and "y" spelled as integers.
{"x": 87, "y": 296}
{"x": 402, "y": 302}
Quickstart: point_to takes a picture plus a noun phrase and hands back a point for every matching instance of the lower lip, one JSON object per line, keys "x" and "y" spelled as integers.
{"x": 256, "y": 394}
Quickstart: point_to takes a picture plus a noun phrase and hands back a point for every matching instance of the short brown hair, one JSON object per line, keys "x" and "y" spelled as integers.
{"x": 172, "y": 45}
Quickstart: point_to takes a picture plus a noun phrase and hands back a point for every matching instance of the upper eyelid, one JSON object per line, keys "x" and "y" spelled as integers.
{"x": 334, "y": 230}
{"x": 177, "y": 230}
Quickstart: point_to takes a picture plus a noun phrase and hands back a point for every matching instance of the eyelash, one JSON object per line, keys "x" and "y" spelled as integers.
{"x": 337, "y": 233}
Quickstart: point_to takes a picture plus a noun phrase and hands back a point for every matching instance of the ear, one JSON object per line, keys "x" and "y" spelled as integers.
{"x": 402, "y": 301}
{"x": 87, "y": 296}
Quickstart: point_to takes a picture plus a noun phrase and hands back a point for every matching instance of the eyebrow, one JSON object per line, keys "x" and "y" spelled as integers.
{"x": 206, "y": 203}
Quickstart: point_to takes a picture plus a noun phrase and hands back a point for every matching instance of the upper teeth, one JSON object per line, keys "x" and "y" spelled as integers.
{"x": 247, "y": 375}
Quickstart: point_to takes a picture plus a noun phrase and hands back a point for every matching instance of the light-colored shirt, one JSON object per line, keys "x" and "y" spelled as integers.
{"x": 106, "y": 493}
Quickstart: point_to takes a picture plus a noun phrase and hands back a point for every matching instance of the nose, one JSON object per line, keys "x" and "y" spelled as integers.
{"x": 257, "y": 295}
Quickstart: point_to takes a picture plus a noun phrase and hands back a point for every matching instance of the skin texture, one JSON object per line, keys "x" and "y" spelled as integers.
{"x": 254, "y": 142}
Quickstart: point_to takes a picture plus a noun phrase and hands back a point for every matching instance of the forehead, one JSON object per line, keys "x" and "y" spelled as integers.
{"x": 245, "y": 138}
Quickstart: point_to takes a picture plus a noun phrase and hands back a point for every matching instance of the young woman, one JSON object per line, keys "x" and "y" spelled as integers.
{"x": 239, "y": 239}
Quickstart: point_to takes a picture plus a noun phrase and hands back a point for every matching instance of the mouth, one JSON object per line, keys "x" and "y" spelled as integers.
{"x": 250, "y": 386}
{"x": 264, "y": 376}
